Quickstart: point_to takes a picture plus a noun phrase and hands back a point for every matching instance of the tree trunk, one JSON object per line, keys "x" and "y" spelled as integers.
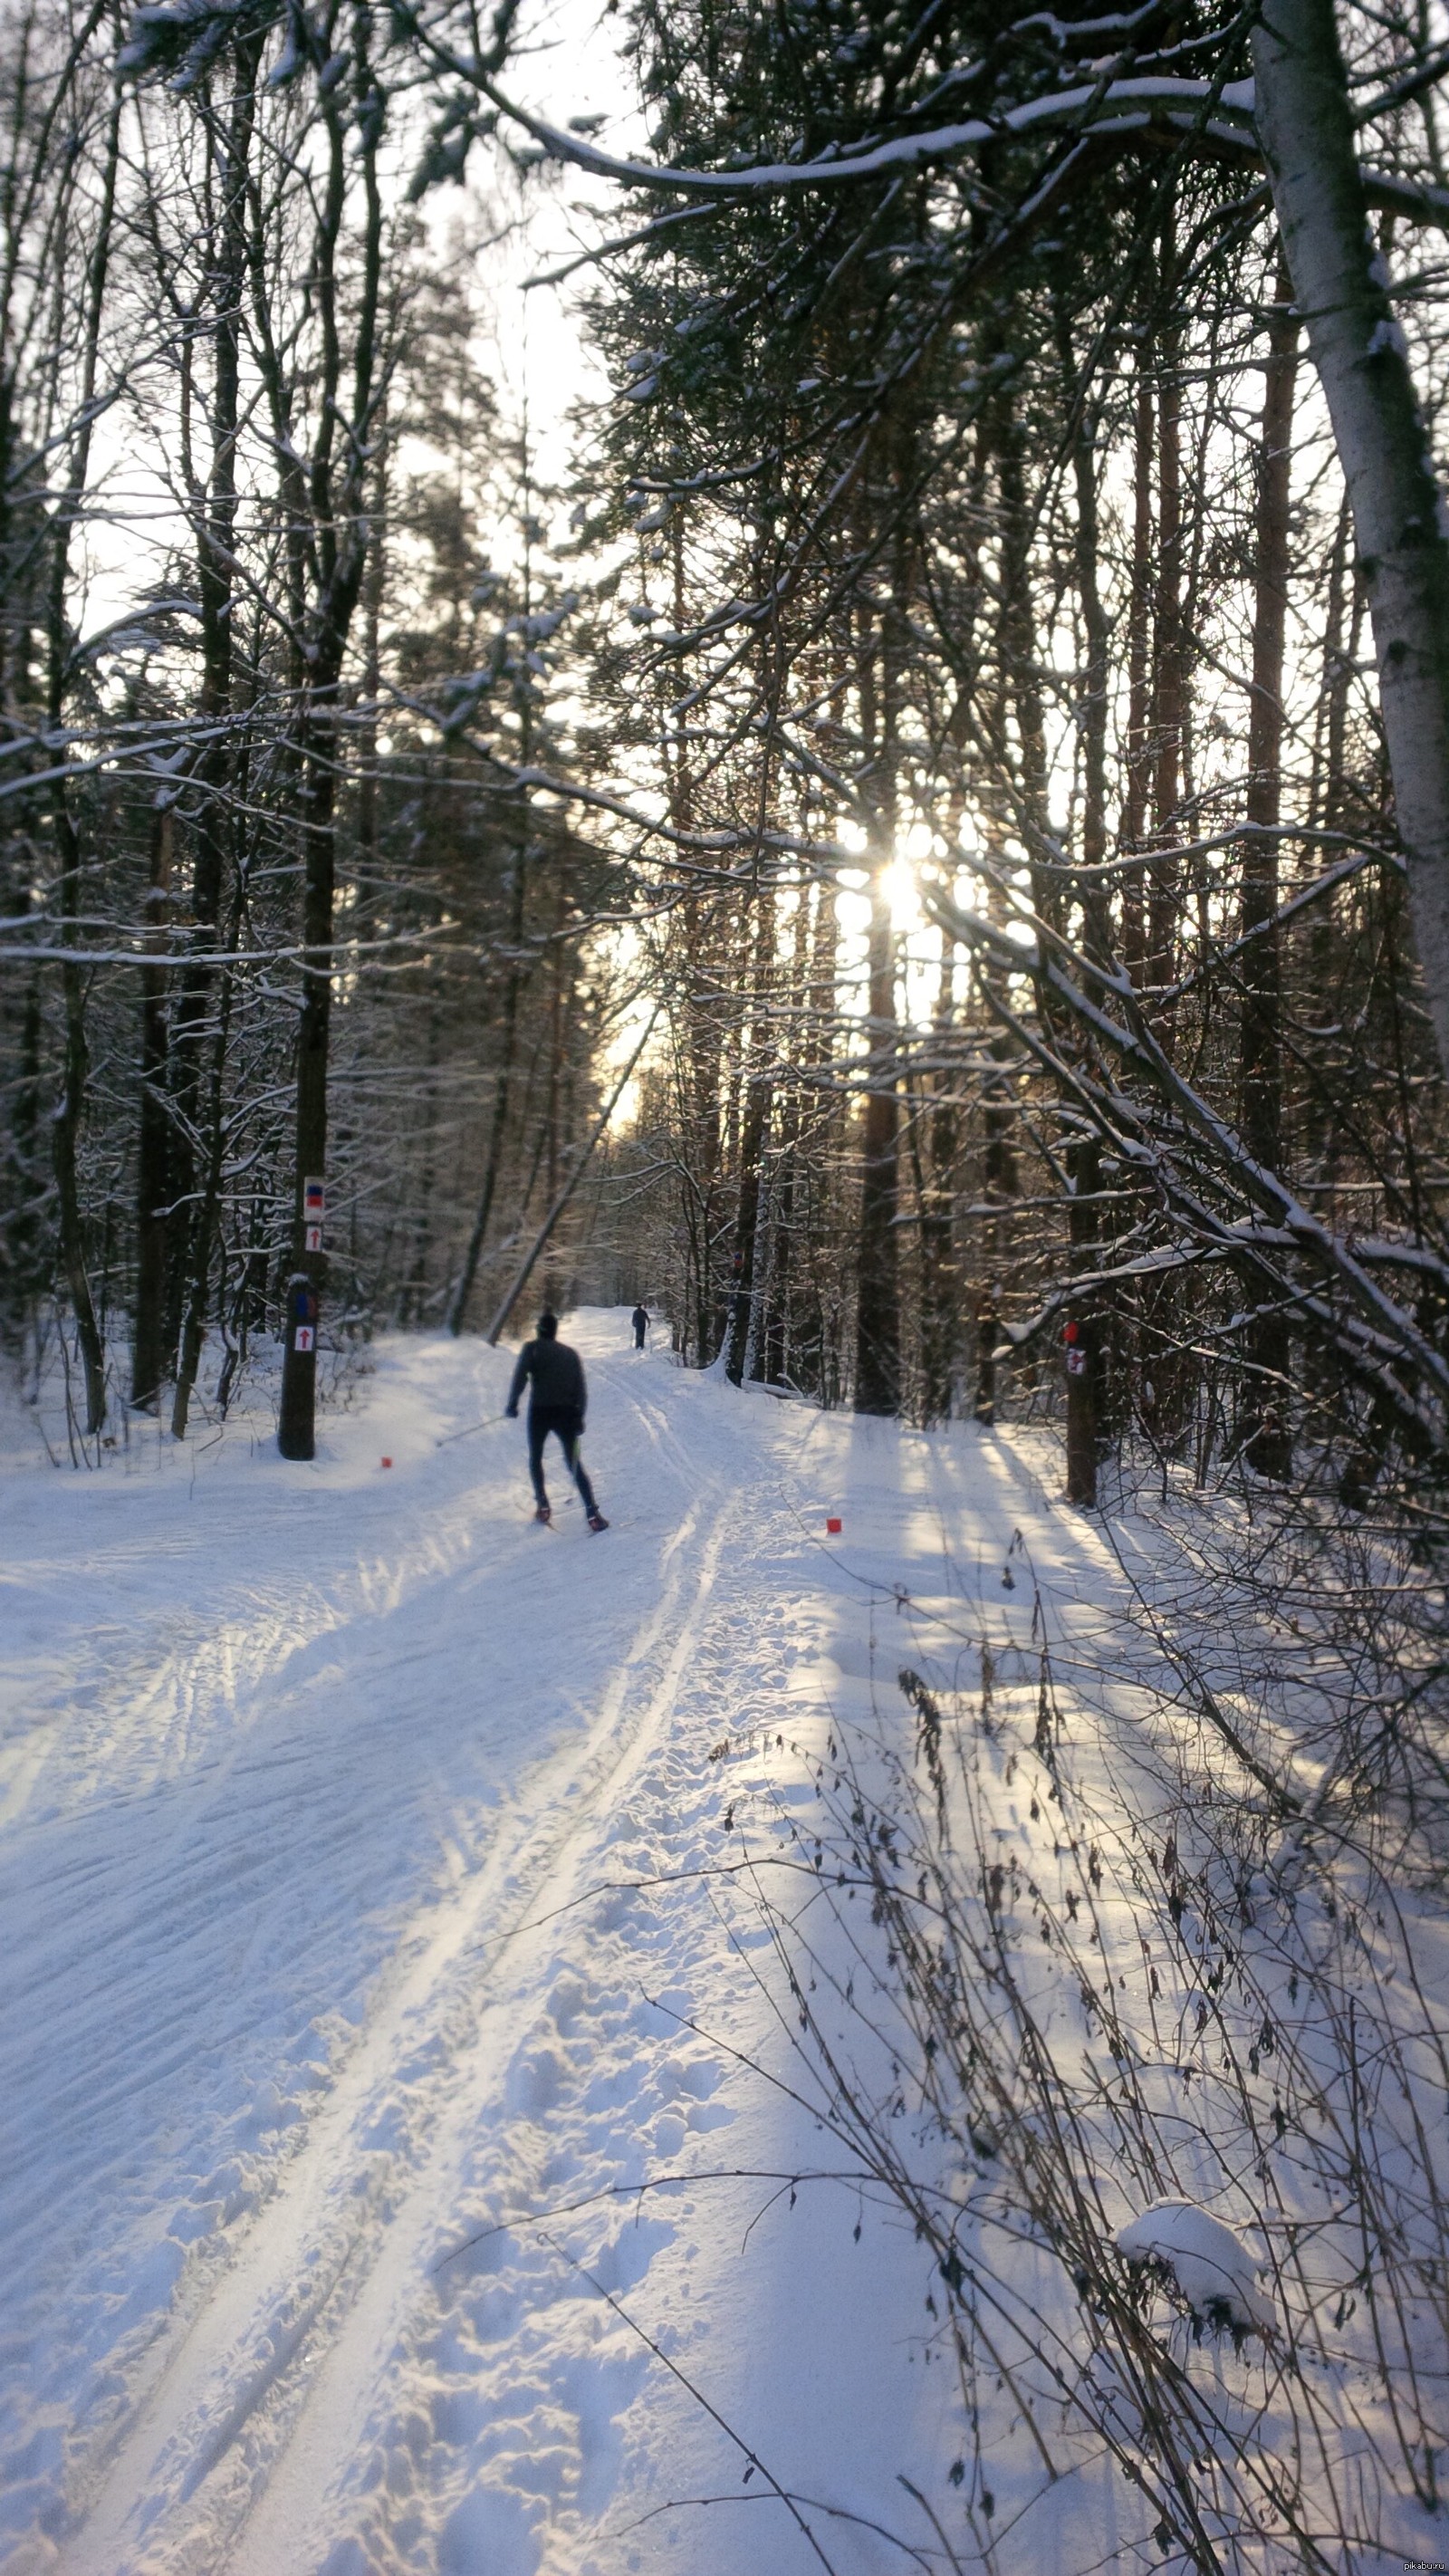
{"x": 1306, "y": 129}
{"x": 25, "y": 1275}
{"x": 148, "y": 1355}
{"x": 1170, "y": 670}
{"x": 336, "y": 489}
{"x": 498, "y": 1128}
{"x": 878, "y": 1323}
{"x": 1089, "y": 1392}
{"x": 1082, "y": 1347}
{"x": 1019, "y": 648}
{"x": 214, "y": 509}
{"x": 877, "y": 1339}
{"x": 1263, "y": 1424}
{"x": 297, "y": 1417}
{"x": 984, "y": 1405}
{"x": 539, "y": 1244}
{"x": 65, "y": 1133}
{"x": 70, "y": 1108}
{"x": 193, "y": 1327}
{"x": 1139, "y": 704}
{"x": 940, "y": 1286}
{"x": 746, "y": 1281}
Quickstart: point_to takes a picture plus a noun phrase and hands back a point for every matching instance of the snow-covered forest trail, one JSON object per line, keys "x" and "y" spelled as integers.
{"x": 456, "y": 2118}
{"x": 313, "y": 1778}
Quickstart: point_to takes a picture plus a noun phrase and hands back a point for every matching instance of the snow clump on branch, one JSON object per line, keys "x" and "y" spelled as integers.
{"x": 1208, "y": 2261}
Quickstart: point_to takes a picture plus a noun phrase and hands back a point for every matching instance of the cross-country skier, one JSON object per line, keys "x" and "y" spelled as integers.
{"x": 640, "y": 1322}
{"x": 557, "y": 1401}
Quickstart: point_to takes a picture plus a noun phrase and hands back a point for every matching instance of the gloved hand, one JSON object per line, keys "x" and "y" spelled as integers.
{"x": 510, "y": 1413}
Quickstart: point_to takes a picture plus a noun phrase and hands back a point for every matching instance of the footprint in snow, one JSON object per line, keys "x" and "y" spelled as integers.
{"x": 621, "y": 2265}
{"x": 535, "y": 2081}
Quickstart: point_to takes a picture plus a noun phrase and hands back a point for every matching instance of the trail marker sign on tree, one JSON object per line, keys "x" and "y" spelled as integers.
{"x": 1081, "y": 1416}
{"x": 296, "y": 1421}
{"x": 295, "y": 1435}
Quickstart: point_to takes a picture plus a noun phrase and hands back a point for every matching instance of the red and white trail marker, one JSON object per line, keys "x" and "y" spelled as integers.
{"x": 314, "y": 1209}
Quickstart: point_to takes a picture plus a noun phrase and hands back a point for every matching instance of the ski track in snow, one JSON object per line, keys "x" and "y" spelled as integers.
{"x": 312, "y": 1779}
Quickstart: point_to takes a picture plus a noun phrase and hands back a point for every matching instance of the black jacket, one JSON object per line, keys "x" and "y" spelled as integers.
{"x": 557, "y": 1375}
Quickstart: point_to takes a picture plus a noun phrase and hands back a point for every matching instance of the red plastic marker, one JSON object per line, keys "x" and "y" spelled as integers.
{"x": 834, "y": 1528}
{"x": 387, "y": 1462}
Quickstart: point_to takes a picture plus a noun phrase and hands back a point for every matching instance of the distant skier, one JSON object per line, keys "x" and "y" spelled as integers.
{"x": 557, "y": 1402}
{"x": 640, "y": 1321}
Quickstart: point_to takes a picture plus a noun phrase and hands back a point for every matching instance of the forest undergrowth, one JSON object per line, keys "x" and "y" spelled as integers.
{"x": 1126, "y": 1915}
{"x": 42, "y": 1391}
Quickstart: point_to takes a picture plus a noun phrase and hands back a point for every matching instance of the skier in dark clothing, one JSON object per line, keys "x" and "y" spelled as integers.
{"x": 640, "y": 1321}
{"x": 557, "y": 1401}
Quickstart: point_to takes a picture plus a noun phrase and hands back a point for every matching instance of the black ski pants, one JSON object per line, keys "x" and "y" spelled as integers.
{"x": 542, "y": 1419}
{"x": 639, "y": 1337}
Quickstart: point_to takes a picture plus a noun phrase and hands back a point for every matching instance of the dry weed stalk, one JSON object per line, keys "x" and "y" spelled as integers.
{"x": 1154, "y": 1911}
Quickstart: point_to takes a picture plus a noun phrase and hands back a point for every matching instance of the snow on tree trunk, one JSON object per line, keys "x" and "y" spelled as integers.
{"x": 1341, "y": 289}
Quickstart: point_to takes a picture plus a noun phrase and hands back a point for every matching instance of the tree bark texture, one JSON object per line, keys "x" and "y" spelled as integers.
{"x": 69, "y": 1111}
{"x": 1400, "y": 527}
{"x": 878, "y": 1332}
{"x": 148, "y": 1356}
{"x": 498, "y": 1125}
{"x": 1263, "y": 1418}
{"x": 1139, "y": 703}
{"x": 213, "y": 512}
{"x": 746, "y": 1269}
{"x": 1083, "y": 1357}
{"x": 336, "y": 497}
{"x": 878, "y": 1321}
{"x": 1169, "y": 645}
{"x": 940, "y": 1282}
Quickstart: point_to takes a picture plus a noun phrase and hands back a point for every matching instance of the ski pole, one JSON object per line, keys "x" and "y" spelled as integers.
{"x": 468, "y": 1428}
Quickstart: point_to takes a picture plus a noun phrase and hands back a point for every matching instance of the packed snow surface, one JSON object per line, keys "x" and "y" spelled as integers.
{"x": 409, "y": 2161}
{"x": 351, "y": 1839}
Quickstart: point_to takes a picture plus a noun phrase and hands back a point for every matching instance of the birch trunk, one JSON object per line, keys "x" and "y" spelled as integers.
{"x": 1400, "y": 527}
